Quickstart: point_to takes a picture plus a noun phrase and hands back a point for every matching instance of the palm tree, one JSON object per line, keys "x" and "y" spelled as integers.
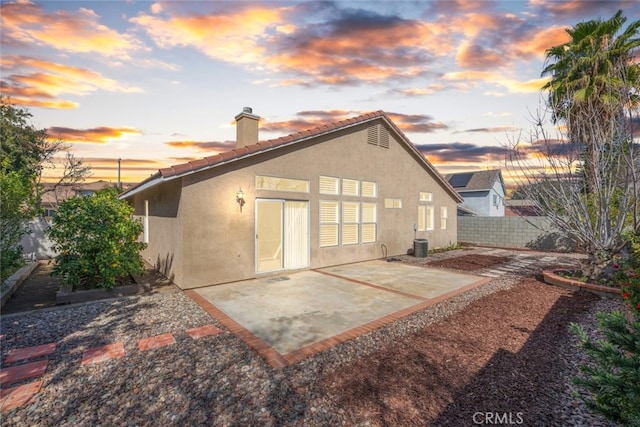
{"x": 595, "y": 68}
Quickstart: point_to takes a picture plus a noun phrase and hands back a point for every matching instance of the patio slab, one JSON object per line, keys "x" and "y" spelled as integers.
{"x": 292, "y": 316}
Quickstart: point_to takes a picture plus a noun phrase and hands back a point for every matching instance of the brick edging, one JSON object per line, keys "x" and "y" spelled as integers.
{"x": 552, "y": 278}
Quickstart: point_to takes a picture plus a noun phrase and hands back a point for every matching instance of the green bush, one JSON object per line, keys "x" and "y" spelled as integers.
{"x": 97, "y": 240}
{"x": 613, "y": 379}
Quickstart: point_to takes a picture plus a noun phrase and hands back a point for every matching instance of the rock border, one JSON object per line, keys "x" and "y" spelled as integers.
{"x": 552, "y": 278}
{"x": 15, "y": 280}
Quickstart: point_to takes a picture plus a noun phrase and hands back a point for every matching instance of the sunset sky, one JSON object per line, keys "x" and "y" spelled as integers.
{"x": 159, "y": 83}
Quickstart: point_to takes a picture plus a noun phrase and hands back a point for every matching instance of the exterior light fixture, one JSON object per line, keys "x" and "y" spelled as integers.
{"x": 240, "y": 198}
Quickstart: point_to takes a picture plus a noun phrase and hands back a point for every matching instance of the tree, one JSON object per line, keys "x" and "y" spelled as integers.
{"x": 16, "y": 206}
{"x": 586, "y": 178}
{"x": 26, "y": 152}
{"x": 31, "y": 151}
{"x": 595, "y": 67}
{"x": 97, "y": 239}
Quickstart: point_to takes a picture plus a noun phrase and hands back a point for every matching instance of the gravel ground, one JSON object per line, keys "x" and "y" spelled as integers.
{"x": 219, "y": 380}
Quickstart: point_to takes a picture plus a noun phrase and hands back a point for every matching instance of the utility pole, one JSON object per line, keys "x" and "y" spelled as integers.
{"x": 119, "y": 184}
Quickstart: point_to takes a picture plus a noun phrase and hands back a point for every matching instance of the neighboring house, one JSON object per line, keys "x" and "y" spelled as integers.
{"x": 53, "y": 196}
{"x": 483, "y": 192}
{"x": 345, "y": 192}
{"x": 521, "y": 207}
{"x": 36, "y": 244}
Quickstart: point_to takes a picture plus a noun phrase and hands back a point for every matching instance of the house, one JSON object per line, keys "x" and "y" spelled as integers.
{"x": 55, "y": 194}
{"x": 483, "y": 192}
{"x": 344, "y": 192}
{"x": 521, "y": 207}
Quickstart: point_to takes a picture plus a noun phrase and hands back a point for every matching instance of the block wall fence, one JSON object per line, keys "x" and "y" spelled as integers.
{"x": 513, "y": 232}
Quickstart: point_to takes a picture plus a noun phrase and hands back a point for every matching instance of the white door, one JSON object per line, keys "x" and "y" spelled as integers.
{"x": 282, "y": 235}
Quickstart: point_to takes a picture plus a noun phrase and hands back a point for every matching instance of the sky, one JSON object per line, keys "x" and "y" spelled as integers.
{"x": 159, "y": 83}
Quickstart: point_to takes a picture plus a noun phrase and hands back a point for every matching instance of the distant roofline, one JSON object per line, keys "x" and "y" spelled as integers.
{"x": 188, "y": 168}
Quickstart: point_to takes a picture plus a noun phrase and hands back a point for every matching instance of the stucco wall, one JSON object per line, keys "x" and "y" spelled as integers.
{"x": 215, "y": 242}
{"x": 512, "y": 232}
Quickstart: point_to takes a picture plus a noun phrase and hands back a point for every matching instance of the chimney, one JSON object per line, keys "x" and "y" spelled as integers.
{"x": 246, "y": 128}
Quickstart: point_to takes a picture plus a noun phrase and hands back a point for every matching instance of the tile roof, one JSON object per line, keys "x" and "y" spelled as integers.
{"x": 262, "y": 146}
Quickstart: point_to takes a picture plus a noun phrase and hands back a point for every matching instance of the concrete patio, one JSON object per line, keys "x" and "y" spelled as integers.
{"x": 289, "y": 317}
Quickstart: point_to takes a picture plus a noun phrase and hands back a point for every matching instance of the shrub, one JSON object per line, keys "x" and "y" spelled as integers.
{"x": 97, "y": 240}
{"x": 614, "y": 377}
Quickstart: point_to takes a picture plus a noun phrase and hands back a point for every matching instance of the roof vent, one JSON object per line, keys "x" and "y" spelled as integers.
{"x": 247, "y": 110}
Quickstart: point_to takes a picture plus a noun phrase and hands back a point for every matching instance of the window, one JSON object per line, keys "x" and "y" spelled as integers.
{"x": 145, "y": 223}
{"x": 281, "y": 184}
{"x": 369, "y": 189}
{"x": 350, "y": 223}
{"x": 329, "y": 185}
{"x": 393, "y": 203}
{"x": 369, "y": 220}
{"x": 329, "y": 221}
{"x": 350, "y": 187}
{"x": 443, "y": 217}
{"x": 426, "y": 197}
{"x": 495, "y": 200}
{"x": 425, "y": 218}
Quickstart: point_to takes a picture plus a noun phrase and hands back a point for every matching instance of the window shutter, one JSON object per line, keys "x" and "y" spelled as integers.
{"x": 369, "y": 189}
{"x": 328, "y": 185}
{"x": 368, "y": 233}
{"x": 350, "y": 187}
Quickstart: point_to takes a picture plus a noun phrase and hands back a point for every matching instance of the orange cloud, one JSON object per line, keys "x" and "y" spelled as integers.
{"x": 205, "y": 146}
{"x": 99, "y": 135}
{"x": 25, "y": 23}
{"x": 231, "y": 37}
{"x": 37, "y": 82}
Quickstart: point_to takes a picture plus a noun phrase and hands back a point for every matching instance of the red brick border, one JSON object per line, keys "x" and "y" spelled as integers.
{"x": 17, "y": 396}
{"x": 552, "y": 278}
{"x": 23, "y": 372}
{"x": 278, "y": 361}
{"x": 30, "y": 352}
{"x": 158, "y": 341}
{"x": 103, "y": 353}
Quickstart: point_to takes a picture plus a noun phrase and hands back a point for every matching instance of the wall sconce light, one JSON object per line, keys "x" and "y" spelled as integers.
{"x": 240, "y": 198}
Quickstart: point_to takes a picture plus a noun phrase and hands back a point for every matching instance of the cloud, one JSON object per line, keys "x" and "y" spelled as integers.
{"x": 576, "y": 9}
{"x": 25, "y": 23}
{"x": 98, "y": 135}
{"x": 462, "y": 152}
{"x": 37, "y": 82}
{"x": 416, "y": 123}
{"x": 497, "y": 129}
{"x": 348, "y": 47}
{"x": 205, "y": 146}
{"x": 230, "y": 36}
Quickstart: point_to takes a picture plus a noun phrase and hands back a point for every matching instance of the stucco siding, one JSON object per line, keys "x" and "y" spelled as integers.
{"x": 215, "y": 241}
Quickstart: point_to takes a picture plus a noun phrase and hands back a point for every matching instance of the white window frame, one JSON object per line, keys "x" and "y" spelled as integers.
{"x": 369, "y": 189}
{"x": 443, "y": 217}
{"x": 350, "y": 187}
{"x": 425, "y": 218}
{"x": 333, "y": 181}
{"x": 426, "y": 196}
{"x": 368, "y": 221}
{"x": 392, "y": 203}
{"x": 326, "y": 224}
{"x": 348, "y": 224}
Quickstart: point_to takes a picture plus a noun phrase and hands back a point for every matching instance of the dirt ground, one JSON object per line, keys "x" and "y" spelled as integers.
{"x": 469, "y": 262}
{"x": 39, "y": 290}
{"x": 496, "y": 356}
